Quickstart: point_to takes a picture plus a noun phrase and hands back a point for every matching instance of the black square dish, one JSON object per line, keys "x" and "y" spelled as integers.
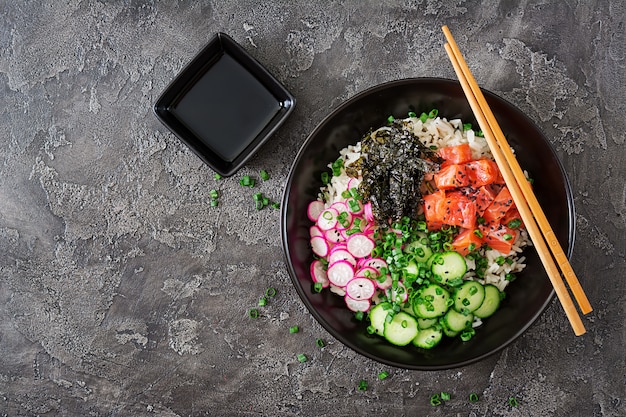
{"x": 224, "y": 105}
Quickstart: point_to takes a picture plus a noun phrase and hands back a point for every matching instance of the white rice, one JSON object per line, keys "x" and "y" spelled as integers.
{"x": 441, "y": 133}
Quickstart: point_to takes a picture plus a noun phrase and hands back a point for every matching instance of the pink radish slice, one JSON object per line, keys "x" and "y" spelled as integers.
{"x": 353, "y": 183}
{"x": 327, "y": 219}
{"x": 376, "y": 263}
{"x": 357, "y": 305}
{"x": 318, "y": 273}
{"x": 316, "y": 231}
{"x": 341, "y": 255}
{"x": 360, "y": 245}
{"x": 385, "y": 284}
{"x": 319, "y": 245}
{"x": 346, "y": 221}
{"x": 368, "y": 213}
{"x": 339, "y": 246}
{"x": 314, "y": 210}
{"x": 367, "y": 272}
{"x": 360, "y": 288}
{"x": 334, "y": 236}
{"x": 340, "y": 291}
{"x": 340, "y": 273}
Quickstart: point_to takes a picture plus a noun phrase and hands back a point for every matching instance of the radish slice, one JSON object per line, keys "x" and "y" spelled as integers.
{"x": 360, "y": 288}
{"x": 357, "y": 305}
{"x": 319, "y": 245}
{"x": 334, "y": 236}
{"x": 376, "y": 263}
{"x": 340, "y": 273}
{"x": 346, "y": 219}
{"x": 367, "y": 272}
{"x": 316, "y": 231}
{"x": 327, "y": 219}
{"x": 353, "y": 183}
{"x": 360, "y": 245}
{"x": 367, "y": 211}
{"x": 314, "y": 210}
{"x": 339, "y": 246}
{"x": 337, "y": 290}
{"x": 341, "y": 255}
{"x": 318, "y": 273}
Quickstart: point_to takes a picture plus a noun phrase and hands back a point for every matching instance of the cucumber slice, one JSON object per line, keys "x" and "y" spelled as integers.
{"x": 456, "y": 321}
{"x": 378, "y": 316}
{"x": 491, "y": 302}
{"x": 448, "y": 266}
{"x": 428, "y": 338}
{"x": 426, "y": 323}
{"x": 419, "y": 248}
{"x": 401, "y": 329}
{"x": 446, "y": 330}
{"x": 469, "y": 296}
{"x": 431, "y": 301}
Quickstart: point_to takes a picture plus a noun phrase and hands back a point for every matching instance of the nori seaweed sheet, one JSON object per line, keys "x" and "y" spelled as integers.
{"x": 393, "y": 163}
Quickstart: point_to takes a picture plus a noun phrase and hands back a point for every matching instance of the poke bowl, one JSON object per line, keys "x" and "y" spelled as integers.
{"x": 337, "y": 164}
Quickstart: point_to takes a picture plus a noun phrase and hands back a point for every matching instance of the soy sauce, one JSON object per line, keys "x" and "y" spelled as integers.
{"x": 227, "y": 108}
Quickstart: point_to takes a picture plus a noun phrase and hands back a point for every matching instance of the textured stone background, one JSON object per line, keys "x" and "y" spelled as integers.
{"x": 122, "y": 293}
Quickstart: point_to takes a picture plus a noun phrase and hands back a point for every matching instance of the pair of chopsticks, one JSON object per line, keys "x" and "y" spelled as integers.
{"x": 534, "y": 219}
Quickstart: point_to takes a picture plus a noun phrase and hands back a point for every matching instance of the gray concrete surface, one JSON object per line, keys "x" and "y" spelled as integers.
{"x": 122, "y": 293}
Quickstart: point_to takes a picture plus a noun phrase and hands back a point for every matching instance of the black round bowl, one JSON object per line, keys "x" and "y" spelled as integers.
{"x": 527, "y": 297}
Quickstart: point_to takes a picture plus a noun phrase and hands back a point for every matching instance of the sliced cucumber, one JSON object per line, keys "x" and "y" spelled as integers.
{"x": 419, "y": 248}
{"x": 431, "y": 301}
{"x": 401, "y": 329}
{"x": 446, "y": 330}
{"x": 491, "y": 302}
{"x": 469, "y": 296}
{"x": 378, "y": 316}
{"x": 426, "y": 323}
{"x": 428, "y": 338}
{"x": 456, "y": 321}
{"x": 448, "y": 266}
{"x": 411, "y": 269}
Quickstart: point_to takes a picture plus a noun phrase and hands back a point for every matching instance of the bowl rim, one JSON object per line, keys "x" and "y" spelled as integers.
{"x": 285, "y": 243}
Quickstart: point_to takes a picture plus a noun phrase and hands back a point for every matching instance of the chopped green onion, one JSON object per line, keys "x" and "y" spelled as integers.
{"x": 513, "y": 402}
{"x": 507, "y": 236}
{"x": 325, "y": 178}
{"x": 270, "y": 292}
{"x": 382, "y": 375}
{"x": 213, "y": 194}
{"x": 390, "y": 119}
{"x": 500, "y": 260}
{"x": 435, "y": 400}
{"x": 445, "y": 396}
{"x": 467, "y": 126}
{"x": 362, "y": 385}
{"x": 264, "y": 175}
{"x": 412, "y": 114}
{"x": 320, "y": 343}
{"x": 247, "y": 181}
{"x": 294, "y": 329}
{"x": 217, "y": 176}
{"x": 275, "y": 205}
{"x": 423, "y": 117}
{"x": 473, "y": 397}
{"x": 214, "y": 203}
{"x": 510, "y": 277}
{"x": 262, "y": 302}
{"x": 514, "y": 224}
{"x": 480, "y": 134}
{"x": 317, "y": 287}
{"x": 433, "y": 113}
{"x": 467, "y": 334}
{"x": 358, "y": 315}
{"x": 253, "y": 313}
{"x": 302, "y": 358}
{"x": 478, "y": 233}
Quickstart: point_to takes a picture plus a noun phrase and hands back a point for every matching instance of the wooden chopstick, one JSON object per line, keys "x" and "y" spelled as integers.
{"x": 525, "y": 200}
